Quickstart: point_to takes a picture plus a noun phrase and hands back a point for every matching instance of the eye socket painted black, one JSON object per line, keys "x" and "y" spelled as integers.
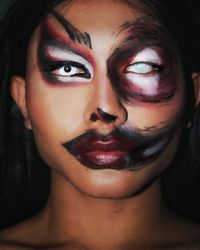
{"x": 51, "y": 66}
{"x": 145, "y": 33}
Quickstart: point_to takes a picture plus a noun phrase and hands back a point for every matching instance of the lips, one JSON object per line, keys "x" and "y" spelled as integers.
{"x": 101, "y": 143}
{"x": 104, "y": 159}
{"x": 113, "y": 151}
{"x": 100, "y": 152}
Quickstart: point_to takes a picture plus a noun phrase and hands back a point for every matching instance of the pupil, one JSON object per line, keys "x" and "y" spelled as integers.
{"x": 67, "y": 68}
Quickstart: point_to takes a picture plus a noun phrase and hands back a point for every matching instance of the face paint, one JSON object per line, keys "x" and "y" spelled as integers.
{"x": 74, "y": 33}
{"x": 123, "y": 149}
{"x": 66, "y": 66}
{"x": 146, "y": 74}
{"x": 148, "y": 65}
{"x": 102, "y": 116}
{"x": 143, "y": 72}
{"x": 59, "y": 59}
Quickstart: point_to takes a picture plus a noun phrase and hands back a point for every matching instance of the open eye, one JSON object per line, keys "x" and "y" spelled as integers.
{"x": 142, "y": 68}
{"x": 60, "y": 65}
{"x": 71, "y": 69}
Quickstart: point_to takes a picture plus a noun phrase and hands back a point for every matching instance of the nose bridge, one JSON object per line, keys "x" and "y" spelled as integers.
{"x": 104, "y": 109}
{"x": 105, "y": 96}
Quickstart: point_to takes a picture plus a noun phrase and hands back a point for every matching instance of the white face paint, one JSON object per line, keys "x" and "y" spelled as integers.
{"x": 73, "y": 66}
{"x": 143, "y": 71}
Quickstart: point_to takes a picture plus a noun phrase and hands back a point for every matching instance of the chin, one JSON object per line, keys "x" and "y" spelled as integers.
{"x": 112, "y": 184}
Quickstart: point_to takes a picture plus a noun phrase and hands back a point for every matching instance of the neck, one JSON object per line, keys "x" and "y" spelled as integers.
{"x": 93, "y": 221}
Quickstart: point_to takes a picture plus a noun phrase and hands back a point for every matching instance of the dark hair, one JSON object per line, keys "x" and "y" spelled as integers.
{"x": 24, "y": 177}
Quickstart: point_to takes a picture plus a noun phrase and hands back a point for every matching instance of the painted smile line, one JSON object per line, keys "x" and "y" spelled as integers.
{"x": 115, "y": 151}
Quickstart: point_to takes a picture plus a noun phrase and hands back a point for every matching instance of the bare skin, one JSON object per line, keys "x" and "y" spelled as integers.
{"x": 95, "y": 209}
{"x": 110, "y": 225}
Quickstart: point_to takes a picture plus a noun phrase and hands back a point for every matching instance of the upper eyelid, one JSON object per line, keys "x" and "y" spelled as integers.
{"x": 145, "y": 62}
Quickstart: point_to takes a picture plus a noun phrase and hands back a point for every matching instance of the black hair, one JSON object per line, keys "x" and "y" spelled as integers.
{"x": 24, "y": 177}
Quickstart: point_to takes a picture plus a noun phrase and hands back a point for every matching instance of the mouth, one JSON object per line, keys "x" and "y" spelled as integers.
{"x": 115, "y": 151}
{"x": 103, "y": 159}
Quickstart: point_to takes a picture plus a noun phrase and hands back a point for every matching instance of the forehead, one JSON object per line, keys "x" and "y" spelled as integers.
{"x": 103, "y": 20}
{"x": 95, "y": 16}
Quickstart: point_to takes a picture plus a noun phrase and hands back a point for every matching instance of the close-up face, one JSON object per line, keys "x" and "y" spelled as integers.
{"x": 104, "y": 96}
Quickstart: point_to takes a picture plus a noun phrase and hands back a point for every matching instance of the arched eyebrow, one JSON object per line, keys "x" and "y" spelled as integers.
{"x": 74, "y": 33}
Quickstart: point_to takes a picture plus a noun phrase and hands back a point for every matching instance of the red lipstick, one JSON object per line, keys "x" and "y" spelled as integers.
{"x": 114, "y": 151}
{"x": 102, "y": 152}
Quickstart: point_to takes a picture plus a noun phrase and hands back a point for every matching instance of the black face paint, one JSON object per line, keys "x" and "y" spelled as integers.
{"x": 103, "y": 116}
{"x": 74, "y": 33}
{"x": 142, "y": 34}
{"x": 122, "y": 149}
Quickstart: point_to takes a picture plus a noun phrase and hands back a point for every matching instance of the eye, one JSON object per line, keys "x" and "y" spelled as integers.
{"x": 142, "y": 68}
{"x": 71, "y": 69}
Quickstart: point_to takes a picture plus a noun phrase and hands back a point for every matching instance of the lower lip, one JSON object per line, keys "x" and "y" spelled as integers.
{"x": 104, "y": 159}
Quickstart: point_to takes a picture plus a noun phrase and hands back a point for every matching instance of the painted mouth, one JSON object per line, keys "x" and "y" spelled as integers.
{"x": 115, "y": 151}
{"x": 103, "y": 159}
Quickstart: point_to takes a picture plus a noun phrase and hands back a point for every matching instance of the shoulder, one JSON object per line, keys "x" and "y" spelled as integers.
{"x": 182, "y": 234}
{"x": 24, "y": 236}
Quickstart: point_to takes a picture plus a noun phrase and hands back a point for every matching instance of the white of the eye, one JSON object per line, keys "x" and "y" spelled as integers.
{"x": 148, "y": 55}
{"x": 140, "y": 68}
{"x": 66, "y": 55}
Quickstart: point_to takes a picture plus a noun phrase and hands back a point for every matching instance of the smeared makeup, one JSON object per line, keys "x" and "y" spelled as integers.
{"x": 144, "y": 68}
{"x": 60, "y": 61}
{"x": 123, "y": 148}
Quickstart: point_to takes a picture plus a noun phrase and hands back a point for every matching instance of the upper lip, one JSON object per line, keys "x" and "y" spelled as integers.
{"x": 101, "y": 143}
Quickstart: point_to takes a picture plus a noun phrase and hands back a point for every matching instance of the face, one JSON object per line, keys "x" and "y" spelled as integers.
{"x": 104, "y": 96}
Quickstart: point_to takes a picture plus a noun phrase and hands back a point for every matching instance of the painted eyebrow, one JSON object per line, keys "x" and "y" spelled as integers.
{"x": 74, "y": 33}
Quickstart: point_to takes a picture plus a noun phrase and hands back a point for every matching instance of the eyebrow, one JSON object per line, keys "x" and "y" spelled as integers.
{"x": 74, "y": 33}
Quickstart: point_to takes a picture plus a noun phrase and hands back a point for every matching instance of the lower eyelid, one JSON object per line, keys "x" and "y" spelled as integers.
{"x": 74, "y": 79}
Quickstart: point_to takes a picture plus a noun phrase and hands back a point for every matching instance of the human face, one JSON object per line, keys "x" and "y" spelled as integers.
{"x": 104, "y": 94}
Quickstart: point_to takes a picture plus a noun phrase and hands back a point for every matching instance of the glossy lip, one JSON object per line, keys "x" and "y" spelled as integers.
{"x": 115, "y": 151}
{"x": 102, "y": 152}
{"x": 103, "y": 159}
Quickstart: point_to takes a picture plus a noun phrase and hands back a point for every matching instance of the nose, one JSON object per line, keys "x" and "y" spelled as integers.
{"x": 104, "y": 111}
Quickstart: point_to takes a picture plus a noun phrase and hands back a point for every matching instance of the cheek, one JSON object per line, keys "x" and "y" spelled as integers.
{"x": 152, "y": 115}
{"x": 153, "y": 88}
{"x": 55, "y": 113}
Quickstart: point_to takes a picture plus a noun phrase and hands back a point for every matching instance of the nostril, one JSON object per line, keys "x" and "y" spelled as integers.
{"x": 106, "y": 116}
{"x": 93, "y": 117}
{"x": 102, "y": 116}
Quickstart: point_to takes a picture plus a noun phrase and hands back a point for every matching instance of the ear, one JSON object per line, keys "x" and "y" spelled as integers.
{"x": 196, "y": 82}
{"x": 18, "y": 92}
